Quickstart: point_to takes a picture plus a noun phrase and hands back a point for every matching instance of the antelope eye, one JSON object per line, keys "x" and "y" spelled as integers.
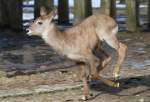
{"x": 40, "y": 23}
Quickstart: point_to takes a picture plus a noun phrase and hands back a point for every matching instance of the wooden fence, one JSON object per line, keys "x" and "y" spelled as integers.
{"x": 11, "y": 11}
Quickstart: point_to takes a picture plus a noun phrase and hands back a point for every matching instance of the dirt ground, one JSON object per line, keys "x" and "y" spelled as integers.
{"x": 24, "y": 53}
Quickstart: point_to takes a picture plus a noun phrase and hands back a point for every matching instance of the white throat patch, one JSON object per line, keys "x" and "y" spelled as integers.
{"x": 45, "y": 36}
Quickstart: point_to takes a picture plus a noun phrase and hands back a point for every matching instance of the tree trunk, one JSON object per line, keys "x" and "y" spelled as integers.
{"x": 108, "y": 7}
{"x": 11, "y": 14}
{"x": 82, "y": 9}
{"x": 131, "y": 21}
{"x": 63, "y": 12}
{"x": 48, "y": 4}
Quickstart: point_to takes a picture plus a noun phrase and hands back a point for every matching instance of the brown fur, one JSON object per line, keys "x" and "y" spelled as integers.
{"x": 78, "y": 42}
{"x": 81, "y": 36}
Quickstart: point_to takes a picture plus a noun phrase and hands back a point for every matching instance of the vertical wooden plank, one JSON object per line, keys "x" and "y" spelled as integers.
{"x": 131, "y": 21}
{"x": 105, "y": 7}
{"x": 15, "y": 14}
{"x": 108, "y": 7}
{"x": 11, "y": 14}
{"x": 39, "y": 3}
{"x": 149, "y": 15}
{"x": 137, "y": 2}
{"x": 4, "y": 19}
{"x": 122, "y": 1}
{"x": 63, "y": 12}
{"x": 81, "y": 11}
{"x": 1, "y": 19}
{"x": 113, "y": 8}
{"x": 88, "y": 8}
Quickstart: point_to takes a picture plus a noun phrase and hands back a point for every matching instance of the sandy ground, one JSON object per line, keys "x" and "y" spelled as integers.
{"x": 135, "y": 72}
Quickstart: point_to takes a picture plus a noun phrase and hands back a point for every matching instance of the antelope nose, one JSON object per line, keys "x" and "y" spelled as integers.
{"x": 28, "y": 31}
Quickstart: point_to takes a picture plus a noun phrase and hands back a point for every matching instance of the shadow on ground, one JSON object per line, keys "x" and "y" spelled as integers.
{"x": 126, "y": 84}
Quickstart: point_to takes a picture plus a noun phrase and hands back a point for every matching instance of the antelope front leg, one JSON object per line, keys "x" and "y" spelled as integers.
{"x": 121, "y": 56}
{"x": 85, "y": 83}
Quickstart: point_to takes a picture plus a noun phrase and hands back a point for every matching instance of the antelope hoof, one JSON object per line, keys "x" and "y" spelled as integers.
{"x": 116, "y": 85}
{"x": 84, "y": 98}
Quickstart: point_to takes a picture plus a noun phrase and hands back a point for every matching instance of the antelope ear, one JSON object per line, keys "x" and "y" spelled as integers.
{"x": 53, "y": 13}
{"x": 43, "y": 11}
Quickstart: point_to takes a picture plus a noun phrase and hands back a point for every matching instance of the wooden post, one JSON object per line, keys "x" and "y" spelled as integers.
{"x": 108, "y": 7}
{"x": 63, "y": 12}
{"x": 81, "y": 11}
{"x": 122, "y": 1}
{"x": 113, "y": 8}
{"x": 88, "y": 8}
{"x": 137, "y": 2}
{"x": 105, "y": 7}
{"x": 149, "y": 14}
{"x": 1, "y": 20}
{"x": 11, "y": 14}
{"x": 15, "y": 14}
{"x": 39, "y": 3}
{"x": 2, "y": 12}
{"x": 4, "y": 16}
{"x": 131, "y": 21}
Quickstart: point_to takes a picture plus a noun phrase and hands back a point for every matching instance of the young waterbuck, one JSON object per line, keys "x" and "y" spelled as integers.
{"x": 77, "y": 43}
